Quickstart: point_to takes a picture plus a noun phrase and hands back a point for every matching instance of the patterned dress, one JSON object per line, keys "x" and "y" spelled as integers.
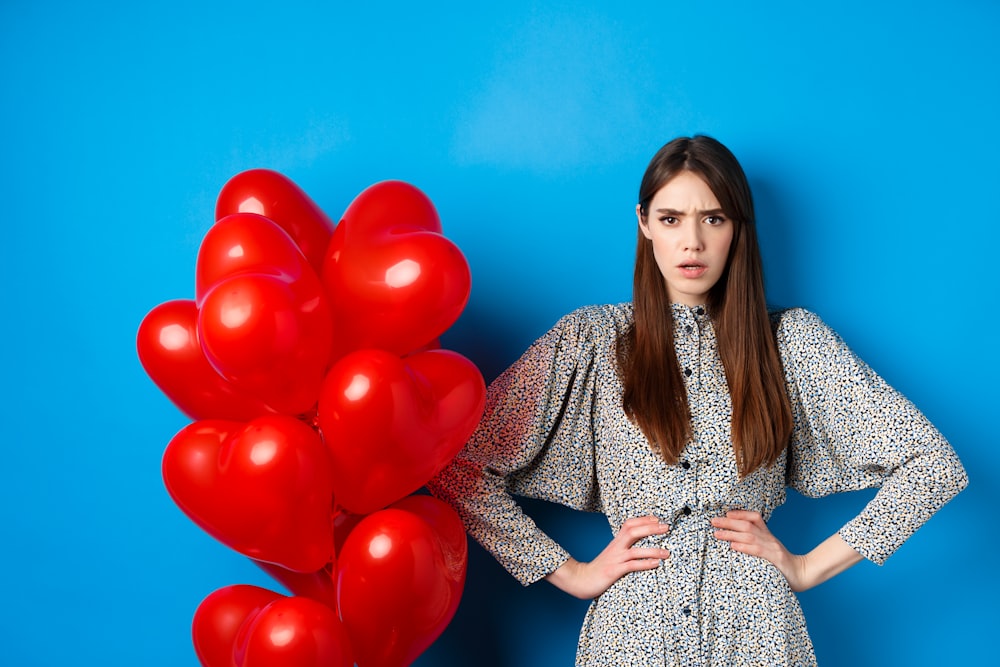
{"x": 554, "y": 429}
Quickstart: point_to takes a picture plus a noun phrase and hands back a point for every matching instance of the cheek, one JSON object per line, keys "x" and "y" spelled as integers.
{"x": 661, "y": 256}
{"x": 724, "y": 244}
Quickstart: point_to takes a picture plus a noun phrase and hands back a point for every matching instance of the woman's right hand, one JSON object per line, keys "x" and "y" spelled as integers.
{"x": 588, "y": 580}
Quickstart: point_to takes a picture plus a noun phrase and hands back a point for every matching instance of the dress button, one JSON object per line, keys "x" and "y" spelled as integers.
{"x": 699, "y": 310}
{"x": 685, "y": 465}
{"x": 687, "y": 371}
{"x": 687, "y": 611}
{"x": 689, "y": 328}
{"x": 686, "y": 510}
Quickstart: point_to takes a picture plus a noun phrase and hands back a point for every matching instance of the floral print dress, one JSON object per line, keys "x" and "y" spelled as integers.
{"x": 554, "y": 429}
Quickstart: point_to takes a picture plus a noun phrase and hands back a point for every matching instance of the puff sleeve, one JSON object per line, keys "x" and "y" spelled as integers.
{"x": 535, "y": 440}
{"x": 853, "y": 431}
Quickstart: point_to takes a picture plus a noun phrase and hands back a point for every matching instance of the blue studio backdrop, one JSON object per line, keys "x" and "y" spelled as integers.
{"x": 868, "y": 131}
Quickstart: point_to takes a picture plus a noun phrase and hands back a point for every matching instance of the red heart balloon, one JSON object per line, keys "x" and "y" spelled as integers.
{"x": 269, "y": 336}
{"x": 294, "y": 632}
{"x": 317, "y": 586}
{"x": 400, "y": 579}
{"x": 263, "y": 488}
{"x": 247, "y": 243}
{"x": 218, "y": 618}
{"x": 450, "y": 531}
{"x": 277, "y": 197}
{"x": 394, "y": 282}
{"x": 392, "y": 204}
{"x": 391, "y": 424}
{"x": 170, "y": 353}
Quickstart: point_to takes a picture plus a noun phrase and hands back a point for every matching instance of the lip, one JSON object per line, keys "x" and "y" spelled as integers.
{"x": 692, "y": 268}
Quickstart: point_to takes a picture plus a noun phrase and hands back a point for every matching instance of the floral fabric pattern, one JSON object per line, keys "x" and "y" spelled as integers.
{"x": 554, "y": 429}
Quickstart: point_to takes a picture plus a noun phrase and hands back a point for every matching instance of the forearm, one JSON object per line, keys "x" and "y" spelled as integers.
{"x": 827, "y": 560}
{"x": 564, "y": 577}
{"x": 495, "y": 520}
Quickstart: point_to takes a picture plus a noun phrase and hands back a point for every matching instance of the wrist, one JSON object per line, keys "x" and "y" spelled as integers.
{"x": 802, "y": 578}
{"x": 795, "y": 569}
{"x": 564, "y": 577}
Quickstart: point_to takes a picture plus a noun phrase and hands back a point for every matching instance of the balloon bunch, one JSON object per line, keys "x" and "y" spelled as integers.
{"x": 321, "y": 403}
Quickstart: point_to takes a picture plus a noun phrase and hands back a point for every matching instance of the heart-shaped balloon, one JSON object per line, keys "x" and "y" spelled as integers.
{"x": 247, "y": 243}
{"x": 318, "y": 586}
{"x": 277, "y": 197}
{"x": 391, "y": 424}
{"x": 218, "y": 618}
{"x": 263, "y": 488}
{"x": 448, "y": 526}
{"x": 171, "y": 354}
{"x": 270, "y": 336}
{"x": 394, "y": 282}
{"x": 293, "y": 632}
{"x": 400, "y": 579}
{"x": 392, "y": 204}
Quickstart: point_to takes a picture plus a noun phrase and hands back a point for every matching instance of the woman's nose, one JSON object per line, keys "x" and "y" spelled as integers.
{"x": 693, "y": 238}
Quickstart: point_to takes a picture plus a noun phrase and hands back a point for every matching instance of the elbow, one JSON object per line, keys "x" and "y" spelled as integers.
{"x": 953, "y": 478}
{"x": 961, "y": 478}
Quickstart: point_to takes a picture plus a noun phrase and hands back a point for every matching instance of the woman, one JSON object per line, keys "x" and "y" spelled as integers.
{"x": 682, "y": 416}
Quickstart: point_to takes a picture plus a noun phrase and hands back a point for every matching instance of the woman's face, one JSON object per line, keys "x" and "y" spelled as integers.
{"x": 690, "y": 236}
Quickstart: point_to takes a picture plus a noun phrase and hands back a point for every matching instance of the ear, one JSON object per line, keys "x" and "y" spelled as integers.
{"x": 643, "y": 222}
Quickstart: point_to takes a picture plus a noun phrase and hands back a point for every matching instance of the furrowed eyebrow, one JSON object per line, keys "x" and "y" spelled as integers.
{"x": 676, "y": 213}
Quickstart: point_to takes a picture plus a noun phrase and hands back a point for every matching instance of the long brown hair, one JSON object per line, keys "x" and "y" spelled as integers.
{"x": 655, "y": 397}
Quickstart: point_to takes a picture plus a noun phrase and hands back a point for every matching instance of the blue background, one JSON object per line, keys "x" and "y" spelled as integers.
{"x": 868, "y": 130}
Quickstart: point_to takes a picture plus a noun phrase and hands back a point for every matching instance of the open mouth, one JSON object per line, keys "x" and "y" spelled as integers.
{"x": 692, "y": 270}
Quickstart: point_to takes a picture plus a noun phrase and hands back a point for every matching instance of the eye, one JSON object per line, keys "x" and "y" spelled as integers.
{"x": 715, "y": 219}
{"x": 668, "y": 220}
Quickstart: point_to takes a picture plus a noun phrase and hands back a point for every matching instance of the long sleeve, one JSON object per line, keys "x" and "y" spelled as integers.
{"x": 853, "y": 431}
{"x": 535, "y": 440}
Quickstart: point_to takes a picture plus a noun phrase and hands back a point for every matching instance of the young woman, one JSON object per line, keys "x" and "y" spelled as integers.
{"x": 682, "y": 416}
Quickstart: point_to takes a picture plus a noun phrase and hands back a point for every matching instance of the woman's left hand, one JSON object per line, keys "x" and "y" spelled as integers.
{"x": 747, "y": 533}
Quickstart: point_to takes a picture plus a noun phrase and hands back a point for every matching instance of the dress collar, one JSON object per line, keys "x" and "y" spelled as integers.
{"x": 683, "y": 311}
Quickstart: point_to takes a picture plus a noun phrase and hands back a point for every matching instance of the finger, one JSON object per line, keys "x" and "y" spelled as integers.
{"x": 640, "y": 553}
{"x": 751, "y": 549}
{"x": 633, "y": 564}
{"x": 732, "y": 524}
{"x": 643, "y": 564}
{"x": 632, "y": 533}
{"x": 745, "y": 515}
{"x": 735, "y": 536}
{"x": 638, "y": 521}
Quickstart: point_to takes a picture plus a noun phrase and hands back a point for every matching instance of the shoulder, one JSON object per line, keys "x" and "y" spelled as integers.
{"x": 800, "y": 332}
{"x": 794, "y": 318}
{"x": 799, "y": 324}
{"x": 613, "y": 318}
{"x": 597, "y": 322}
{"x": 808, "y": 345}
{"x": 586, "y": 330}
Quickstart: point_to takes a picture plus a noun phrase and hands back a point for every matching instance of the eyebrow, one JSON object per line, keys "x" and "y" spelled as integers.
{"x": 674, "y": 212}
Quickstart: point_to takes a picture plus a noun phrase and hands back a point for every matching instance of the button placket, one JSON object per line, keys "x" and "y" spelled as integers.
{"x": 686, "y": 543}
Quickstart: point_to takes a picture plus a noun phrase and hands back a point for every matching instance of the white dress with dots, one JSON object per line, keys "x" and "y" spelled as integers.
{"x": 554, "y": 429}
